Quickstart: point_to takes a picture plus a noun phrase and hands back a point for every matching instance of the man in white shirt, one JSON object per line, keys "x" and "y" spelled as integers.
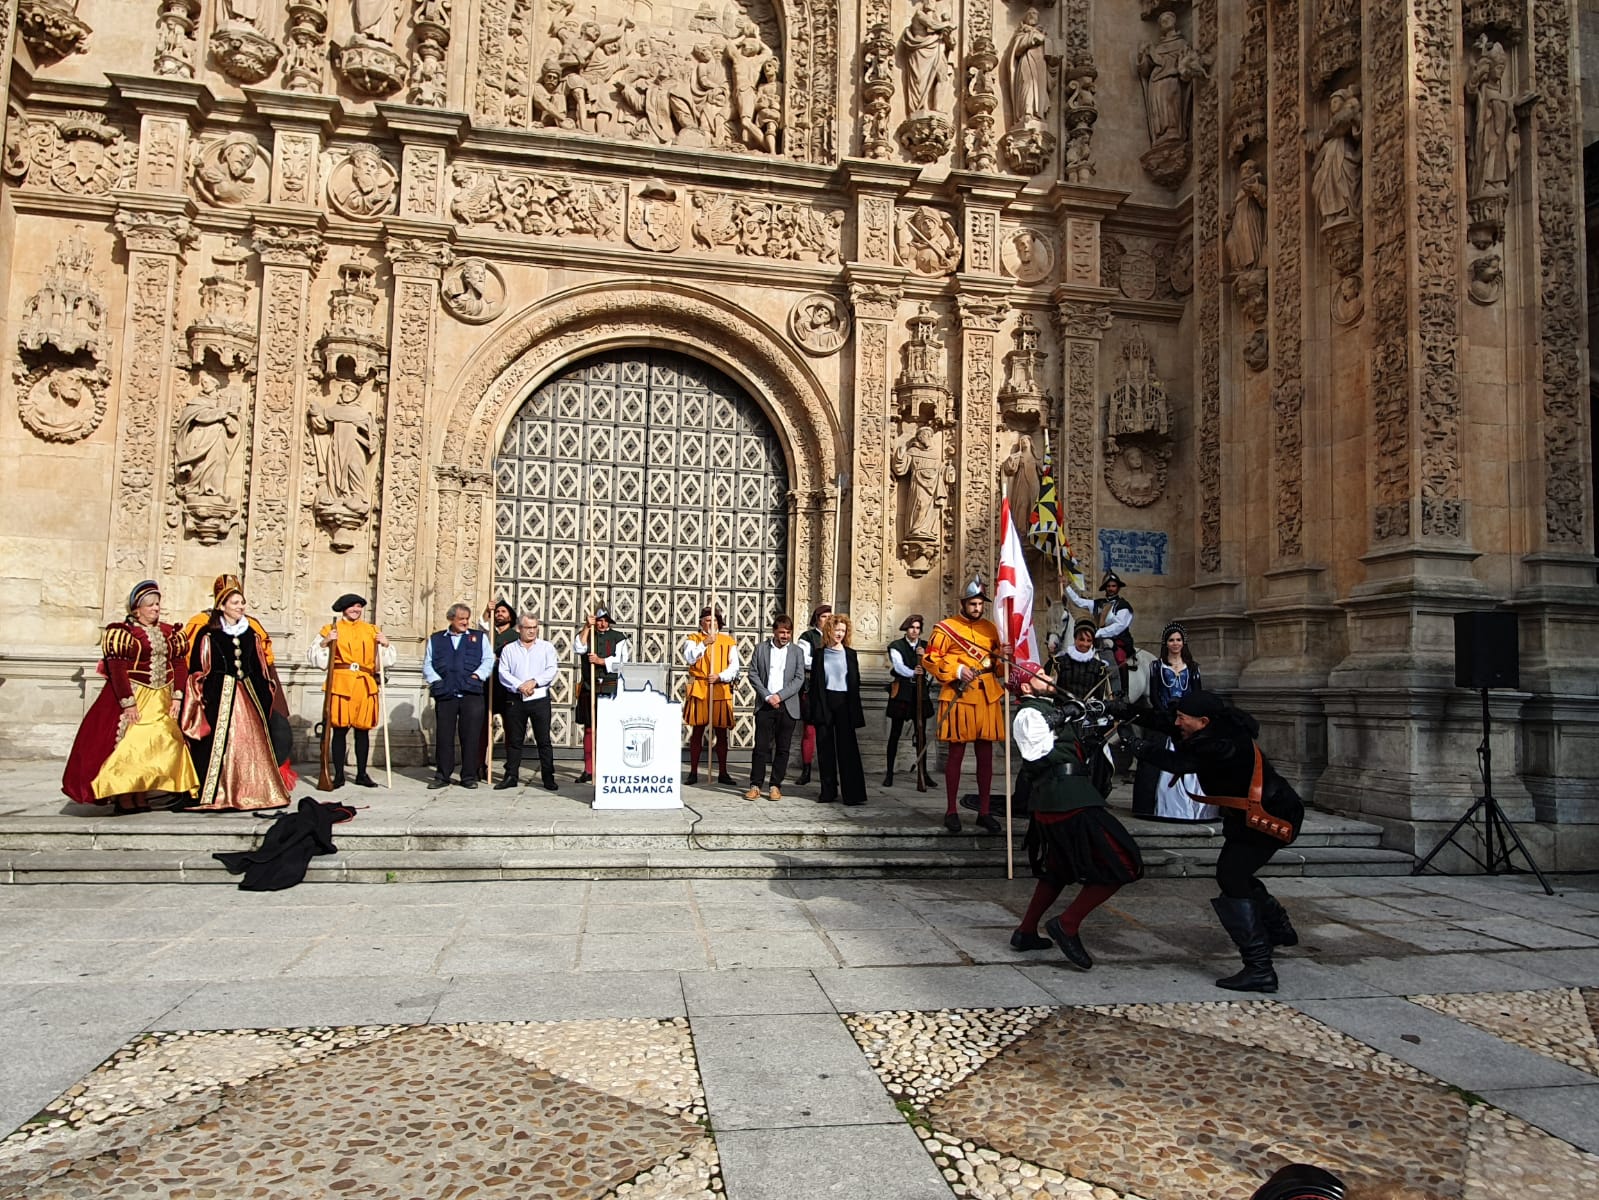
{"x": 528, "y": 667}
{"x": 777, "y": 671}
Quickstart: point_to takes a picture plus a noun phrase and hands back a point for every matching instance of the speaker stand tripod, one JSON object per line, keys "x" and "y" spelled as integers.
{"x": 1498, "y": 832}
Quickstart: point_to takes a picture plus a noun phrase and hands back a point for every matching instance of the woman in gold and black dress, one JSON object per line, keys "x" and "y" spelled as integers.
{"x": 129, "y": 747}
{"x": 225, "y": 711}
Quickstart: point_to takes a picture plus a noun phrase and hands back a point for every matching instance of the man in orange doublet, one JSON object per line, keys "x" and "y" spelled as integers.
{"x": 713, "y": 665}
{"x": 966, "y": 656}
{"x": 352, "y": 682}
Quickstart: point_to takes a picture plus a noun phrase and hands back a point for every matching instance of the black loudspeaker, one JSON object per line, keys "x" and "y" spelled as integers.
{"x": 1487, "y": 650}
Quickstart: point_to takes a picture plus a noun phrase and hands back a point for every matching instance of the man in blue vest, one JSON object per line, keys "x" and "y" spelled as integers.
{"x": 458, "y": 662}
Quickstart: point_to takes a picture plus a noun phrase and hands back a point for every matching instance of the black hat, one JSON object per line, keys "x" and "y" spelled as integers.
{"x": 708, "y": 611}
{"x": 820, "y": 611}
{"x": 348, "y": 600}
{"x": 1081, "y": 624}
{"x": 1110, "y": 578}
{"x": 913, "y": 619}
{"x": 1202, "y": 704}
{"x": 1171, "y": 628}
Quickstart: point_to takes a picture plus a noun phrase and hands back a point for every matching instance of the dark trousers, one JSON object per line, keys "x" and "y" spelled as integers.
{"x": 517, "y": 714}
{"x": 337, "y": 750}
{"x": 1241, "y": 856}
{"x": 839, "y": 752}
{"x": 896, "y": 726}
{"x": 459, "y": 718}
{"x": 774, "y": 737}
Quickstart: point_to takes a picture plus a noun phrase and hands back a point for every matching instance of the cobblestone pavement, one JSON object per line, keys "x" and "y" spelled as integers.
{"x": 1434, "y": 1038}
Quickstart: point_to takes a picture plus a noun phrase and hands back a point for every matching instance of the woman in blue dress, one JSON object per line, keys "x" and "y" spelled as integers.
{"x": 1158, "y": 794}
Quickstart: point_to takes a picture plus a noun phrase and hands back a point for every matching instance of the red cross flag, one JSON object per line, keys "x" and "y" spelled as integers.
{"x": 1013, "y": 598}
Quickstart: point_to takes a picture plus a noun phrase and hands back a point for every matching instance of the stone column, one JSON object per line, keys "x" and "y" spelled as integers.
{"x": 426, "y": 136}
{"x": 290, "y": 255}
{"x": 1399, "y": 732}
{"x": 1556, "y": 594}
{"x": 874, "y": 296}
{"x": 155, "y": 240}
{"x": 982, "y": 308}
{"x": 418, "y": 258}
{"x": 1081, "y": 318}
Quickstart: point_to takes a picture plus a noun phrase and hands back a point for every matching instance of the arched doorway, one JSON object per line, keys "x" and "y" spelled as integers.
{"x": 602, "y": 489}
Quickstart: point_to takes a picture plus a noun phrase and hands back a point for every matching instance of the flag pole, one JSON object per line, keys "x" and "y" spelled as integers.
{"x": 1010, "y": 848}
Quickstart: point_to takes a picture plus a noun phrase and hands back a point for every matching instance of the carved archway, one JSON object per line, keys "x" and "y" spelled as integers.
{"x": 553, "y": 334}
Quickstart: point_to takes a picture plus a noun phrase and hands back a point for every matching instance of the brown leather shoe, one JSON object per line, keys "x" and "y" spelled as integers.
{"x": 753, "y": 794}
{"x": 777, "y": 794}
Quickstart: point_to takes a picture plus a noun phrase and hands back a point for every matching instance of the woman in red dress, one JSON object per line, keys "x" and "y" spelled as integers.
{"x": 129, "y": 746}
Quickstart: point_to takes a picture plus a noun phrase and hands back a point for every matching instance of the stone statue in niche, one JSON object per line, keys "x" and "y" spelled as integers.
{"x": 918, "y": 463}
{"x": 232, "y": 171}
{"x": 363, "y": 185}
{"x": 769, "y": 106}
{"x": 1335, "y": 172}
{"x": 929, "y": 44}
{"x": 747, "y": 56}
{"x": 62, "y": 370}
{"x": 1022, "y": 468}
{"x": 1494, "y": 141}
{"x": 1246, "y": 223}
{"x": 368, "y": 62}
{"x": 342, "y": 437}
{"x": 204, "y": 438}
{"x": 1138, "y": 442}
{"x": 925, "y": 241}
{"x": 1167, "y": 68}
{"x": 1029, "y": 74}
{"x": 375, "y": 20}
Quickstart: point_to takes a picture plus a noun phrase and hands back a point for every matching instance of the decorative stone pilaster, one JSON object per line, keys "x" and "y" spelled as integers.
{"x": 168, "y": 109}
{"x": 300, "y": 124}
{"x": 155, "y": 242}
{"x": 874, "y": 297}
{"x": 425, "y": 137}
{"x": 175, "y": 45}
{"x": 1081, "y": 322}
{"x": 982, "y": 309}
{"x": 877, "y": 82}
{"x": 417, "y": 260}
{"x": 290, "y": 256}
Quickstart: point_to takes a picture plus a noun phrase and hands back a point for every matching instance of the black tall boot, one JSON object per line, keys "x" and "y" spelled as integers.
{"x": 893, "y": 752}
{"x": 1242, "y": 921}
{"x": 1278, "y": 927}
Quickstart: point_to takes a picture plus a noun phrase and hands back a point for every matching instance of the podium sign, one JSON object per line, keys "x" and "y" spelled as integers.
{"x": 638, "y": 759}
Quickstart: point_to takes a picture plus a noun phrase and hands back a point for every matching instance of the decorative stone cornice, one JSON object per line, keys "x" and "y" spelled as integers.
{"x": 1081, "y": 318}
{"x": 155, "y": 232}
{"x": 418, "y": 257}
{"x": 874, "y": 301}
{"x": 982, "y": 310}
{"x": 289, "y": 245}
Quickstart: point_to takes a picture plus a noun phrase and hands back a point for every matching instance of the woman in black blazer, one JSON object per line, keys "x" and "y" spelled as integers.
{"x": 835, "y": 689}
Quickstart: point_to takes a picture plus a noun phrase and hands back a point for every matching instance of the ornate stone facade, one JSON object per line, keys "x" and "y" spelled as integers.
{"x": 1300, "y": 328}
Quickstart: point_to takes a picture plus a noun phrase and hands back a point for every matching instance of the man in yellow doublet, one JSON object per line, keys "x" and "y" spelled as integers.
{"x": 713, "y": 665}
{"x": 966, "y": 655}
{"x": 348, "y": 650}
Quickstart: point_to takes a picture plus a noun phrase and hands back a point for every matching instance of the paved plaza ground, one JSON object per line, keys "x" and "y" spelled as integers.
{"x": 762, "y": 1039}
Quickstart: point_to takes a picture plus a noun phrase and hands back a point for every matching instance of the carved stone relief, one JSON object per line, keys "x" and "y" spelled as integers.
{"x": 430, "y": 29}
{"x": 1335, "y": 45}
{"x": 422, "y": 171}
{"x": 1246, "y": 117}
{"x": 877, "y": 85}
{"x": 928, "y": 44}
{"x": 1138, "y": 439}
{"x": 232, "y": 171}
{"x": 1081, "y": 111}
{"x": 1206, "y": 277}
{"x": 765, "y": 228}
{"x": 1081, "y": 327}
{"x": 242, "y": 50}
{"x": 655, "y": 217}
{"x": 1030, "y": 72}
{"x": 543, "y": 205}
{"x": 174, "y": 38}
{"x": 1287, "y": 286}
{"x": 80, "y": 154}
{"x": 1335, "y": 180}
{"x": 368, "y": 61}
{"x": 63, "y": 348}
{"x": 224, "y": 332}
{"x": 473, "y": 291}
{"x": 819, "y": 324}
{"x": 343, "y": 438}
{"x": 1167, "y": 68}
{"x": 17, "y": 158}
{"x": 925, "y": 241}
{"x": 1493, "y": 140}
{"x": 1023, "y": 398}
{"x": 981, "y": 95}
{"x": 980, "y": 316}
{"x": 362, "y": 185}
{"x": 52, "y": 29}
{"x": 306, "y": 51}
{"x": 1028, "y": 255}
{"x": 352, "y": 344}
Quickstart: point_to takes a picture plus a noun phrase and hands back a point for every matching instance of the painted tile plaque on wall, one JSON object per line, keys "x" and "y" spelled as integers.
{"x": 1133, "y": 551}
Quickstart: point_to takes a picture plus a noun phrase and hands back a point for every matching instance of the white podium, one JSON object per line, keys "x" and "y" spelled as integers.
{"x": 637, "y": 756}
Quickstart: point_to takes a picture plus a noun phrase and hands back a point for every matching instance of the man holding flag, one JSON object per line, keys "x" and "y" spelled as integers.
{"x": 966, "y": 655}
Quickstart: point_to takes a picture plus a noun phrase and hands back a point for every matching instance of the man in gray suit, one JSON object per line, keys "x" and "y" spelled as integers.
{"x": 777, "y": 672}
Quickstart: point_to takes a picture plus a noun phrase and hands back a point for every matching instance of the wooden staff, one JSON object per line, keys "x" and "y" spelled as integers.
{"x": 383, "y": 718}
{"x": 593, "y": 688}
{"x": 921, "y": 724}
{"x": 324, "y": 782}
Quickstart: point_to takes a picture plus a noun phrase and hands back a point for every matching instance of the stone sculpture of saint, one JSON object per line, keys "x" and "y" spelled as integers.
{"x": 203, "y": 442}
{"x": 1335, "y": 174}
{"x": 1166, "y": 67}
{"x": 375, "y": 20}
{"x": 227, "y": 173}
{"x": 1028, "y": 68}
{"x": 708, "y": 88}
{"x": 929, "y": 40}
{"x": 746, "y": 58}
{"x": 920, "y": 465}
{"x": 342, "y": 436}
{"x": 1496, "y": 140}
{"x": 1246, "y": 223}
{"x": 371, "y": 185}
{"x": 1024, "y": 471}
{"x": 242, "y": 12}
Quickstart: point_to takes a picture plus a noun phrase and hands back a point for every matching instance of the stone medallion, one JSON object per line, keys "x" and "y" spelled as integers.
{"x": 473, "y": 291}
{"x": 819, "y": 323}
{"x": 363, "y": 186}
{"x": 1028, "y": 255}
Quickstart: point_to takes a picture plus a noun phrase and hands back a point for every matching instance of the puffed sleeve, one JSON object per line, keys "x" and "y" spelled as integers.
{"x": 119, "y": 650}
